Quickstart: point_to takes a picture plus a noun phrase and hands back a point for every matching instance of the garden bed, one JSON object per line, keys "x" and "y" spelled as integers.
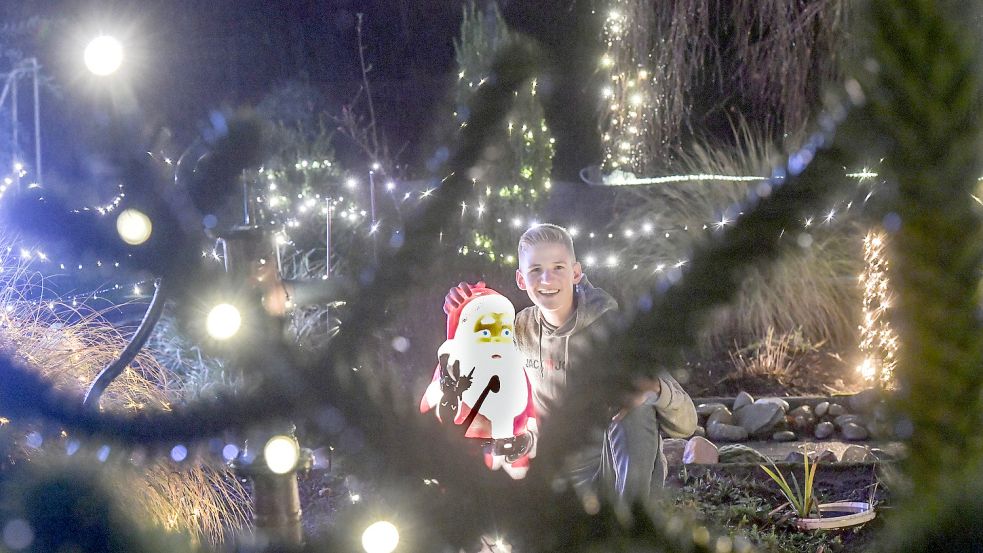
{"x": 737, "y": 499}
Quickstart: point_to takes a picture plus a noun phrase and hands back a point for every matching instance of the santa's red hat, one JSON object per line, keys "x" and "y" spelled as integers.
{"x": 481, "y": 300}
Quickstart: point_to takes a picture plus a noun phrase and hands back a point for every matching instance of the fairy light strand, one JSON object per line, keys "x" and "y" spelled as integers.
{"x": 878, "y": 342}
{"x": 629, "y": 91}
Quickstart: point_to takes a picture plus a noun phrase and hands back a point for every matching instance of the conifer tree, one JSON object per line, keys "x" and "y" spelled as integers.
{"x": 512, "y": 179}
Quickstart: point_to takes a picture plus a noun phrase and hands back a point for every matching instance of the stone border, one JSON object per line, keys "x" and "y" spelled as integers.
{"x": 700, "y": 451}
{"x": 851, "y": 417}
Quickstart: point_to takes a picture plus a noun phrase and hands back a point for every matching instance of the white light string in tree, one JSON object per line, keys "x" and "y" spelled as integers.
{"x": 878, "y": 342}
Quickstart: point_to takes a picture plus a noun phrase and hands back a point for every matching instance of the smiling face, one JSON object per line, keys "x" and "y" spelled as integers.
{"x": 548, "y": 273}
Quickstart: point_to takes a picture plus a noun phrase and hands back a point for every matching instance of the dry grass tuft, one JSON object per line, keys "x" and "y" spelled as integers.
{"x": 193, "y": 373}
{"x": 70, "y": 346}
{"x": 775, "y": 356}
{"x": 811, "y": 289}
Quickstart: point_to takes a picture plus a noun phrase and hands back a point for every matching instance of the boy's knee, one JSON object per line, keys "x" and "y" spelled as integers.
{"x": 641, "y": 420}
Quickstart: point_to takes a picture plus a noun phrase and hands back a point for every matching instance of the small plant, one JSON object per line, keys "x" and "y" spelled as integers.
{"x": 776, "y": 356}
{"x": 801, "y": 499}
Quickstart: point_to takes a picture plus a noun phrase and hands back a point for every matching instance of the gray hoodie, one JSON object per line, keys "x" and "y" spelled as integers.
{"x": 548, "y": 360}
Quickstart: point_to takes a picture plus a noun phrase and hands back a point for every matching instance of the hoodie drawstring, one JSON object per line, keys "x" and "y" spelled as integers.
{"x": 566, "y": 350}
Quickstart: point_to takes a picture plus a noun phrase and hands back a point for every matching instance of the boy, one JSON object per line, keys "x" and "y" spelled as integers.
{"x": 630, "y": 461}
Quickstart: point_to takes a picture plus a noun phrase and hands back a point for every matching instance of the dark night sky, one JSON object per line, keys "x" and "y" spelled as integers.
{"x": 189, "y": 57}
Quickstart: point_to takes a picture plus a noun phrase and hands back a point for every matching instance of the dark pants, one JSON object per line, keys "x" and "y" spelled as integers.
{"x": 628, "y": 463}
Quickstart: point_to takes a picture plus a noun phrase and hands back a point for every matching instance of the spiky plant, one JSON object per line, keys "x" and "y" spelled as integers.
{"x": 820, "y": 273}
{"x": 69, "y": 345}
{"x": 194, "y": 373}
{"x": 801, "y": 499}
{"x": 775, "y": 356}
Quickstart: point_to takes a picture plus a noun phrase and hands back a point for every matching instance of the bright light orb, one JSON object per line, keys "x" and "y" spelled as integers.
{"x": 380, "y": 537}
{"x": 104, "y": 55}
{"x": 133, "y": 226}
{"x": 223, "y": 321}
{"x": 281, "y": 454}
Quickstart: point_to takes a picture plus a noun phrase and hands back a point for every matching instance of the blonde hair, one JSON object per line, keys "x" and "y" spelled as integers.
{"x": 546, "y": 233}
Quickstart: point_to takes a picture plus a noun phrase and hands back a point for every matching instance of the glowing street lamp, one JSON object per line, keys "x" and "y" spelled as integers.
{"x": 103, "y": 55}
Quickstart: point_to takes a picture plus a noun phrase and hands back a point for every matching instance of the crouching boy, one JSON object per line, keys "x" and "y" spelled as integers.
{"x": 629, "y": 462}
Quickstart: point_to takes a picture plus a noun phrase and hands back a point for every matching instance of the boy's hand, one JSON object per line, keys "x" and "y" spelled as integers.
{"x": 459, "y": 294}
{"x": 276, "y": 298}
{"x": 275, "y": 295}
{"x": 644, "y": 388}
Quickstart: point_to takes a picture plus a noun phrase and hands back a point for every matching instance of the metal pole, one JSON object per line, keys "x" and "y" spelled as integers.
{"x": 327, "y": 260}
{"x": 14, "y": 124}
{"x": 372, "y": 196}
{"x": 327, "y": 240}
{"x": 373, "y": 228}
{"x": 245, "y": 200}
{"x": 37, "y": 122}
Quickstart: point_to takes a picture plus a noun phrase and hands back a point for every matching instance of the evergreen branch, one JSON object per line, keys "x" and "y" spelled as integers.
{"x": 926, "y": 101}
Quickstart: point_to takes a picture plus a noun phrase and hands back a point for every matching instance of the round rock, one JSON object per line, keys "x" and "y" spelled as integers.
{"x": 795, "y": 457}
{"x": 826, "y": 456}
{"x": 801, "y": 410}
{"x": 760, "y": 419}
{"x": 821, "y": 408}
{"x": 742, "y": 400}
{"x": 865, "y": 401}
{"x": 783, "y": 436}
{"x": 721, "y": 416}
{"x": 739, "y": 453}
{"x": 846, "y": 419}
{"x": 700, "y": 451}
{"x": 707, "y": 409}
{"x": 824, "y": 430}
{"x": 853, "y": 431}
{"x": 726, "y": 433}
{"x": 776, "y": 400}
{"x": 673, "y": 449}
{"x": 857, "y": 454}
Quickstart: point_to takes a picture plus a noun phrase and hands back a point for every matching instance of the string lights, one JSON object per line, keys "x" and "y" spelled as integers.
{"x": 629, "y": 90}
{"x": 878, "y": 342}
{"x": 515, "y": 183}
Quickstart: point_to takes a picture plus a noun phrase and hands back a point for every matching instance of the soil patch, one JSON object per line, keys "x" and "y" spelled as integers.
{"x": 815, "y": 372}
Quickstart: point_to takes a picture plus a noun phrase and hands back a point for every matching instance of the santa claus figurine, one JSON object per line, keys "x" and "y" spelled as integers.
{"x": 480, "y": 382}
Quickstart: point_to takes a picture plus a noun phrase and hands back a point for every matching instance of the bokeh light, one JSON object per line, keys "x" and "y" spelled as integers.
{"x": 103, "y": 55}
{"x": 380, "y": 537}
{"x": 281, "y": 454}
{"x": 223, "y": 321}
{"x": 133, "y": 226}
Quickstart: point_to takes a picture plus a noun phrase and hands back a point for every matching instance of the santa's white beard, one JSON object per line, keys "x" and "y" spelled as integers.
{"x": 512, "y": 398}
